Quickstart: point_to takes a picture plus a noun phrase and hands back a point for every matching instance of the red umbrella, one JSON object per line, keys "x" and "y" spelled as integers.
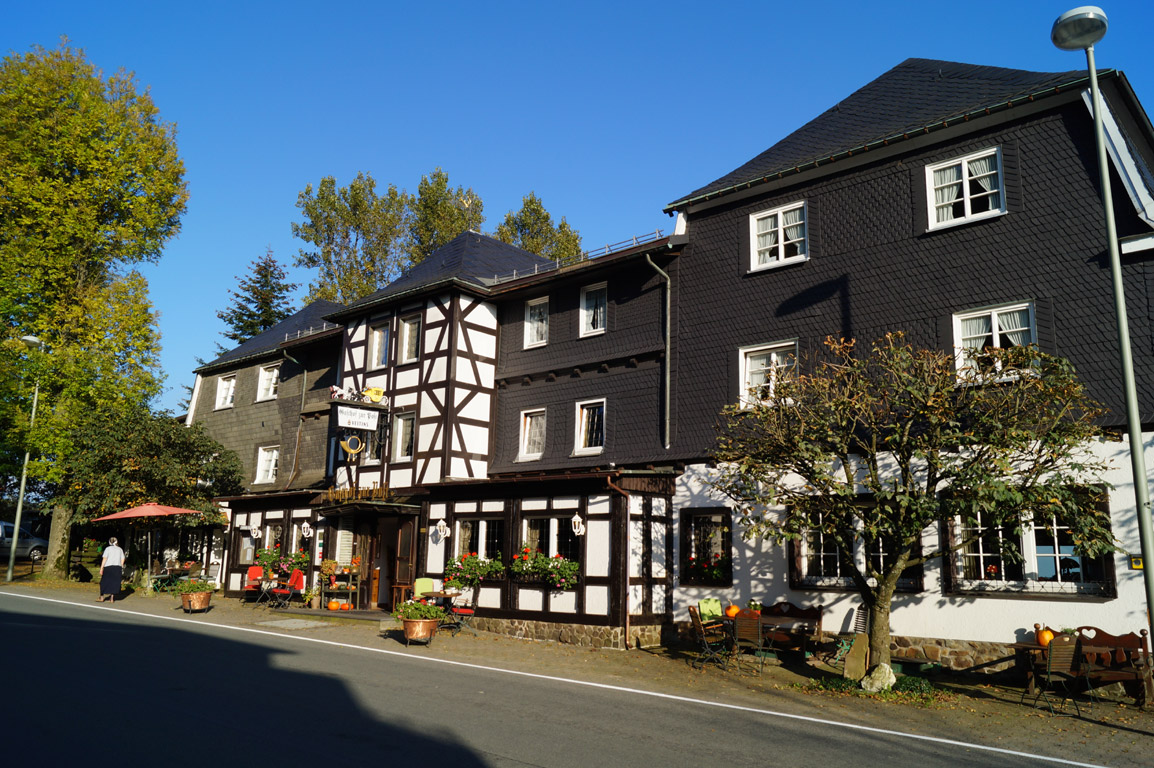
{"x": 151, "y": 509}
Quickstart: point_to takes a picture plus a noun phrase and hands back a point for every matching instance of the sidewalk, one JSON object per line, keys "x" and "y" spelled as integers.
{"x": 1115, "y": 734}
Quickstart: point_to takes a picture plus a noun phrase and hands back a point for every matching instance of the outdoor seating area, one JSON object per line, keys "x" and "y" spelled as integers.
{"x": 746, "y": 636}
{"x": 1083, "y": 660}
{"x": 163, "y": 577}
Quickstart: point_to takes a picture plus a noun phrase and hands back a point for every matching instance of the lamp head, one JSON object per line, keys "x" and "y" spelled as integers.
{"x": 32, "y": 342}
{"x": 1079, "y": 28}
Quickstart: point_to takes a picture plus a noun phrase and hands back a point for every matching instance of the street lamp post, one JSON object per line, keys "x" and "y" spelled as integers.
{"x": 32, "y": 343}
{"x": 1077, "y": 29}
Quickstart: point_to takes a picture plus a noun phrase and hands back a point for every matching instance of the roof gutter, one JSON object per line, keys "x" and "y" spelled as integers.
{"x": 886, "y": 141}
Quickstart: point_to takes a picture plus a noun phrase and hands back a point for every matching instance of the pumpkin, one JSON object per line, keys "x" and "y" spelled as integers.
{"x": 345, "y": 607}
{"x": 1044, "y": 636}
{"x": 334, "y": 605}
{"x": 732, "y": 610}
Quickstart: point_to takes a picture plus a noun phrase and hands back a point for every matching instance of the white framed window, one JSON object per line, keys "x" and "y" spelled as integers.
{"x": 965, "y": 189}
{"x": 268, "y": 382}
{"x": 760, "y": 368}
{"x": 410, "y": 339}
{"x": 536, "y": 322}
{"x": 404, "y": 425}
{"x": 778, "y": 236}
{"x": 594, "y": 309}
{"x": 267, "y": 459}
{"x": 485, "y": 537}
{"x": 225, "y": 391}
{"x": 552, "y": 536}
{"x": 532, "y": 444}
{"x": 375, "y": 442}
{"x": 1011, "y": 325}
{"x": 590, "y": 428}
{"x": 1046, "y": 563}
{"x": 379, "y": 345}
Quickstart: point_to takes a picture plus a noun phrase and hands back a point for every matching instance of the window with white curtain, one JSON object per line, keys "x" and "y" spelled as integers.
{"x": 966, "y": 189}
{"x": 760, "y": 368}
{"x": 594, "y": 304}
{"x": 997, "y": 327}
{"x": 268, "y": 382}
{"x": 536, "y": 322}
{"x": 403, "y": 431}
{"x": 410, "y": 348}
{"x": 379, "y": 353}
{"x": 532, "y": 435}
{"x": 778, "y": 236}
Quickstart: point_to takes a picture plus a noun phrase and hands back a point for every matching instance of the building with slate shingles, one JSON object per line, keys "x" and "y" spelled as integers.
{"x": 959, "y": 204}
{"x": 573, "y": 410}
{"x": 268, "y": 400}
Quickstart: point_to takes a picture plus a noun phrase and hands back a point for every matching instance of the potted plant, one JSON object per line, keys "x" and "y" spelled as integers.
{"x": 467, "y": 571}
{"x": 281, "y": 562}
{"x": 194, "y": 595}
{"x": 419, "y": 619}
{"x": 329, "y": 570}
{"x": 312, "y": 597}
{"x": 558, "y": 572}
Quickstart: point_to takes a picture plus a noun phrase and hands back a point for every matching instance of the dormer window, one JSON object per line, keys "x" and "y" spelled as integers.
{"x": 778, "y": 237}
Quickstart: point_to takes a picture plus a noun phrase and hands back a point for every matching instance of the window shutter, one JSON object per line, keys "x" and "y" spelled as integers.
{"x": 945, "y": 333}
{"x": 1012, "y": 178}
{"x": 921, "y": 210}
{"x": 948, "y": 534}
{"x": 1044, "y": 320}
{"x": 793, "y": 554}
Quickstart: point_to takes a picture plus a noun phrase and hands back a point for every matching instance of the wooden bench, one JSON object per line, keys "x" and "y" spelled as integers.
{"x": 1118, "y": 659}
{"x": 786, "y": 623}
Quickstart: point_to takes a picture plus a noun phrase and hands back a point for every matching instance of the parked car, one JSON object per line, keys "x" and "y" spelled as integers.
{"x": 27, "y": 545}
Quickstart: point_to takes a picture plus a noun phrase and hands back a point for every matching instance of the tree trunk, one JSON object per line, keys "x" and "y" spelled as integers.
{"x": 880, "y": 628}
{"x": 57, "y": 564}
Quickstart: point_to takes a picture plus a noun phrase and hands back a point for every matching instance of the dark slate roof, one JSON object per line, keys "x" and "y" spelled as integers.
{"x": 916, "y": 94}
{"x": 309, "y": 319}
{"x": 470, "y": 258}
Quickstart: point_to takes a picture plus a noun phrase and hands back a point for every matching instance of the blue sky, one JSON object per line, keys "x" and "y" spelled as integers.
{"x": 607, "y": 110}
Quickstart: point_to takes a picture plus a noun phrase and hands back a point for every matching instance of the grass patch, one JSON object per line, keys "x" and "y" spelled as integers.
{"x": 909, "y": 689}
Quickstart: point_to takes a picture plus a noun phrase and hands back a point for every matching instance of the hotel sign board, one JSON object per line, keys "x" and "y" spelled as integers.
{"x": 357, "y": 418}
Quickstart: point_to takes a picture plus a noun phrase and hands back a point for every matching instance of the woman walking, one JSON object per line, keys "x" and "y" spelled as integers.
{"x": 111, "y": 571}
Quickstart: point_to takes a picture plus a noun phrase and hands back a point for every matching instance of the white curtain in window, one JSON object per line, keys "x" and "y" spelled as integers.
{"x": 982, "y": 171}
{"x": 767, "y": 239}
{"x": 1014, "y": 328}
{"x": 794, "y": 223}
{"x": 534, "y": 433}
{"x": 947, "y": 188}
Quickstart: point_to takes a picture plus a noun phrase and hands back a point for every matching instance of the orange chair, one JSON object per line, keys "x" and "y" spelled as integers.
{"x": 252, "y": 580}
{"x": 281, "y": 595}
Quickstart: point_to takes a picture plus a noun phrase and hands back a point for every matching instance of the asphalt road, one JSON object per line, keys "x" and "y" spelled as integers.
{"x": 94, "y": 685}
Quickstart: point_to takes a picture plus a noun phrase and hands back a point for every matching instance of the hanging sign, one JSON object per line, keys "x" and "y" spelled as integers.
{"x": 356, "y": 418}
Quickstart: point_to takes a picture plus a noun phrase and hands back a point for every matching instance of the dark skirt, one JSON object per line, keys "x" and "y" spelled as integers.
{"x": 110, "y": 580}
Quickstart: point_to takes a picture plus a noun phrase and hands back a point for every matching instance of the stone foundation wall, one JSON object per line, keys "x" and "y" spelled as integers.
{"x": 958, "y": 655}
{"x": 573, "y": 634}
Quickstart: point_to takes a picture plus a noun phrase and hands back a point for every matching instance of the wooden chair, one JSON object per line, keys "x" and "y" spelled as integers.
{"x": 709, "y": 609}
{"x": 1060, "y": 669}
{"x": 714, "y": 643}
{"x": 747, "y": 636}
{"x": 421, "y": 586}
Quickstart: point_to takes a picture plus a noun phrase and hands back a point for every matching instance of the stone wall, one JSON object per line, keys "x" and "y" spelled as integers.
{"x": 958, "y": 655}
{"x": 573, "y": 634}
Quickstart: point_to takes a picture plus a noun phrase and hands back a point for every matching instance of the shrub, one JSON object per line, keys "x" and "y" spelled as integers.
{"x": 914, "y": 684}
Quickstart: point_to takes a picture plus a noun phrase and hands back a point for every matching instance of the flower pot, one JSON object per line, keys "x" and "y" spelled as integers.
{"x": 315, "y": 602}
{"x": 195, "y": 601}
{"x": 420, "y": 630}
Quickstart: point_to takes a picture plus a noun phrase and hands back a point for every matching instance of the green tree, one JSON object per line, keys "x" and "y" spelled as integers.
{"x": 133, "y": 456}
{"x": 532, "y": 228}
{"x": 90, "y": 184}
{"x": 870, "y": 451}
{"x": 91, "y": 181}
{"x": 358, "y": 237}
{"x": 440, "y": 213}
{"x": 261, "y": 303}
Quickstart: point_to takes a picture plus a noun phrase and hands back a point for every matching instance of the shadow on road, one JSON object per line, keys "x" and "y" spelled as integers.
{"x": 106, "y": 691}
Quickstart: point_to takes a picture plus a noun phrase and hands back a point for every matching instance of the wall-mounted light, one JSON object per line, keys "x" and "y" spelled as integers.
{"x": 306, "y": 530}
{"x": 578, "y": 524}
{"x": 442, "y": 530}
{"x": 254, "y": 531}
